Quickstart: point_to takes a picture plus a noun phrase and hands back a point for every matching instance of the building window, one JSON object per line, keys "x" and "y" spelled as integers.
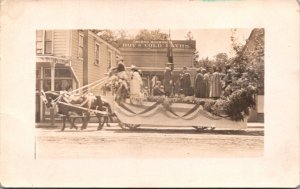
{"x": 48, "y": 42}
{"x": 39, "y": 42}
{"x": 44, "y": 40}
{"x": 63, "y": 80}
{"x": 97, "y": 54}
{"x": 109, "y": 59}
{"x": 80, "y": 46}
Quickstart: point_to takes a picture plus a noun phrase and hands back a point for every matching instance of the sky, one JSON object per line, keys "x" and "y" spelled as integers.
{"x": 209, "y": 42}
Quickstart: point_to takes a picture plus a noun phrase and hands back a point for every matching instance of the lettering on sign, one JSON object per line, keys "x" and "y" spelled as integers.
{"x": 180, "y": 44}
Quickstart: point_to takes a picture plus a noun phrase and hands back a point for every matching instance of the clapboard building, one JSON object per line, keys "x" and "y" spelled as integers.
{"x": 152, "y": 55}
{"x": 69, "y": 59}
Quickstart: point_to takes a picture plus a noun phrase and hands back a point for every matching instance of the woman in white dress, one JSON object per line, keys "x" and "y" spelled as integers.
{"x": 136, "y": 84}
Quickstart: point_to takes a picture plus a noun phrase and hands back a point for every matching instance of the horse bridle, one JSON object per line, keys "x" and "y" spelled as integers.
{"x": 43, "y": 97}
{"x": 45, "y": 100}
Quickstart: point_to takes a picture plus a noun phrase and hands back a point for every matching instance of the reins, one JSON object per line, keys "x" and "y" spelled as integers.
{"x": 85, "y": 90}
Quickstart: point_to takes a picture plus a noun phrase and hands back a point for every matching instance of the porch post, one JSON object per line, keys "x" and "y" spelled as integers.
{"x": 52, "y": 89}
{"x": 85, "y": 57}
{"x": 52, "y": 76}
{"x": 42, "y": 88}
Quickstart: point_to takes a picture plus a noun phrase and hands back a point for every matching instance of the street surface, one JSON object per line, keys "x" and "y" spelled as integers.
{"x": 148, "y": 142}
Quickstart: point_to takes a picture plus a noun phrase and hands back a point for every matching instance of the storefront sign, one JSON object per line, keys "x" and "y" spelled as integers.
{"x": 180, "y": 44}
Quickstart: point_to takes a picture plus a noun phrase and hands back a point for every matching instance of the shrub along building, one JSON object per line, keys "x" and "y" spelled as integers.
{"x": 253, "y": 53}
{"x": 69, "y": 59}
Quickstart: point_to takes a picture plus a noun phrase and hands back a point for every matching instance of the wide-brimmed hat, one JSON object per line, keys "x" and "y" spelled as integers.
{"x": 133, "y": 67}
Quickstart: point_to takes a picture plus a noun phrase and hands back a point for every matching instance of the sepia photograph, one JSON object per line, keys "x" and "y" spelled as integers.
{"x": 150, "y": 93}
{"x": 161, "y": 93}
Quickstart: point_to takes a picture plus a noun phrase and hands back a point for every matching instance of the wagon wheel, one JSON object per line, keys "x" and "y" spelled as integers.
{"x": 132, "y": 126}
{"x": 200, "y": 128}
{"x": 122, "y": 125}
{"x": 126, "y": 126}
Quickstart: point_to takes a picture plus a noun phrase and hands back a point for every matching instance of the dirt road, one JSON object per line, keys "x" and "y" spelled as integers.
{"x": 147, "y": 142}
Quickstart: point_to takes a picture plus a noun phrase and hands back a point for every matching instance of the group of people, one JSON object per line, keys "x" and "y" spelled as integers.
{"x": 207, "y": 84}
{"x": 129, "y": 83}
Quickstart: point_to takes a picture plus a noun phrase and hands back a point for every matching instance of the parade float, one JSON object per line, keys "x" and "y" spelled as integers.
{"x": 229, "y": 111}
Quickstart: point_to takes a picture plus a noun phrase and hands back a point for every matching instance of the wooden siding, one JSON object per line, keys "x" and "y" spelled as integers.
{"x": 66, "y": 44}
{"x": 60, "y": 43}
{"x": 76, "y": 62}
{"x": 96, "y": 71}
{"x": 157, "y": 58}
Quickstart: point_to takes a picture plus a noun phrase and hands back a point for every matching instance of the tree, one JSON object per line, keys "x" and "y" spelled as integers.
{"x": 195, "y": 58}
{"x": 151, "y": 35}
{"x": 205, "y": 63}
{"x": 112, "y": 36}
{"x": 189, "y": 36}
{"x": 107, "y": 35}
{"x": 122, "y": 35}
{"x": 249, "y": 58}
{"x": 221, "y": 59}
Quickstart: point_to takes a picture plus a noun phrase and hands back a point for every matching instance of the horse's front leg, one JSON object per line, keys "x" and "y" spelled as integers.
{"x": 70, "y": 121}
{"x": 100, "y": 126}
{"x": 85, "y": 120}
{"x": 64, "y": 123}
{"x": 106, "y": 120}
{"x": 73, "y": 125}
{"x": 109, "y": 116}
{"x": 84, "y": 126}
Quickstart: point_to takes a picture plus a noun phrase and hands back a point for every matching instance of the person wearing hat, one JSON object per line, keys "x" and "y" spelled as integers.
{"x": 122, "y": 89}
{"x": 185, "y": 82}
{"x": 216, "y": 85}
{"x": 136, "y": 82}
{"x": 168, "y": 79}
{"x": 207, "y": 79}
{"x": 200, "y": 87}
{"x": 158, "y": 89}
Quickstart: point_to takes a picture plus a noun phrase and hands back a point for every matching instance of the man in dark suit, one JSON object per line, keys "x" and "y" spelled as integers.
{"x": 185, "y": 82}
{"x": 168, "y": 79}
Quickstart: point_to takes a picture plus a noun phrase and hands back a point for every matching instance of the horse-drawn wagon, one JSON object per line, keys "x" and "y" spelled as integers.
{"x": 153, "y": 111}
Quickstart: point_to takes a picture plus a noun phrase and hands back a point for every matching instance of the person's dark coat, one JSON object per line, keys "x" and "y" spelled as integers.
{"x": 157, "y": 91}
{"x": 168, "y": 76}
{"x": 185, "y": 83}
{"x": 200, "y": 86}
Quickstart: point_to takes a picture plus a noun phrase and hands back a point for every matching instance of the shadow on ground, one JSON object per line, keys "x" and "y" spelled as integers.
{"x": 190, "y": 131}
{"x": 115, "y": 129}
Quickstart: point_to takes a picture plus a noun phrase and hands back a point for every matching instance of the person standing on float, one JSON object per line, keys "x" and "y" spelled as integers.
{"x": 168, "y": 74}
{"x": 168, "y": 79}
{"x": 207, "y": 83}
{"x": 136, "y": 83}
{"x": 200, "y": 85}
{"x": 216, "y": 85}
{"x": 185, "y": 82}
{"x": 122, "y": 91}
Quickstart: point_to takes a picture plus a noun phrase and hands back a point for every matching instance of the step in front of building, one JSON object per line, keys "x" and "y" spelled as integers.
{"x": 260, "y": 117}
